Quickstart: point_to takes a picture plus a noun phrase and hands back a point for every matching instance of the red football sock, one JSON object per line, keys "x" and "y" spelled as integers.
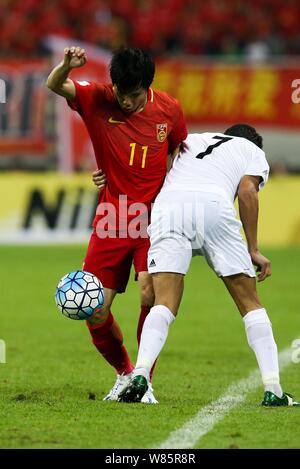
{"x": 145, "y": 310}
{"x": 108, "y": 339}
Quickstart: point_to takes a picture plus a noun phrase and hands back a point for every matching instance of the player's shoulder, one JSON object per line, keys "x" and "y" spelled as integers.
{"x": 164, "y": 98}
{"x": 196, "y": 140}
{"x": 94, "y": 86}
{"x": 203, "y": 136}
{"x": 93, "y": 93}
{"x": 246, "y": 144}
{"x": 240, "y": 142}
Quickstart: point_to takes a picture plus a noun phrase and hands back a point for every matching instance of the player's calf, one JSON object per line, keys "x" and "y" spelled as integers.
{"x": 146, "y": 289}
{"x": 168, "y": 289}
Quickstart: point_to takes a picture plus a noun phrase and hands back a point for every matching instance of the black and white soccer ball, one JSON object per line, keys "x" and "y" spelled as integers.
{"x": 79, "y": 294}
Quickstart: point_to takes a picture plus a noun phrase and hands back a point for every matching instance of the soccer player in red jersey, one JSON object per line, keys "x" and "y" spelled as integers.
{"x": 133, "y": 129}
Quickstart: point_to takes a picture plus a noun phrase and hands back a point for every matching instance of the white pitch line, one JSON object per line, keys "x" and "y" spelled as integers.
{"x": 203, "y": 422}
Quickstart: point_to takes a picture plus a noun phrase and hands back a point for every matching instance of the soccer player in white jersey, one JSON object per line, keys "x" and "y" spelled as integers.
{"x": 194, "y": 214}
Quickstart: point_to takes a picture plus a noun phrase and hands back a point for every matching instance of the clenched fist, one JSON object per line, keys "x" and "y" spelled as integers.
{"x": 74, "y": 57}
{"x": 99, "y": 179}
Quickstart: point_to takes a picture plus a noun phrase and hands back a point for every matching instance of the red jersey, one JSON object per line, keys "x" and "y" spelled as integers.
{"x": 131, "y": 149}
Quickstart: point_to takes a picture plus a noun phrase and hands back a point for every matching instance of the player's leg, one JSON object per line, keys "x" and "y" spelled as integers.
{"x": 259, "y": 335}
{"x": 226, "y": 252}
{"x": 146, "y": 299}
{"x": 101, "y": 314}
{"x": 156, "y": 326}
{"x": 163, "y": 296}
{"x": 242, "y": 288}
{"x": 108, "y": 260}
{"x": 168, "y": 288}
{"x": 107, "y": 336}
{"x": 141, "y": 247}
{"x": 168, "y": 259}
{"x": 258, "y": 328}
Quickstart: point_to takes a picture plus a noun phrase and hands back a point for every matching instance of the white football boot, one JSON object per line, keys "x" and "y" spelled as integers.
{"x": 121, "y": 382}
{"x": 148, "y": 397}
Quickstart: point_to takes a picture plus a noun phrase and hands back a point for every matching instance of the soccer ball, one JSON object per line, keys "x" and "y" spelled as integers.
{"x": 79, "y": 294}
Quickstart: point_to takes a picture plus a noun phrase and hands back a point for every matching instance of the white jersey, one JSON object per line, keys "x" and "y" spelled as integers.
{"x": 214, "y": 162}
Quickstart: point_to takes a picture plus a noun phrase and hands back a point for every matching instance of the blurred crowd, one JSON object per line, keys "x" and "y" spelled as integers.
{"x": 254, "y": 29}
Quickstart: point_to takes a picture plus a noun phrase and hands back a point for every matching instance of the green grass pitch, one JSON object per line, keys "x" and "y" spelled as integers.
{"x": 54, "y": 380}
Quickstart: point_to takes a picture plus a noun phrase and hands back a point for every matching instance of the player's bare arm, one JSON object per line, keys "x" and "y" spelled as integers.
{"x": 171, "y": 157}
{"x": 58, "y": 80}
{"x": 248, "y": 207}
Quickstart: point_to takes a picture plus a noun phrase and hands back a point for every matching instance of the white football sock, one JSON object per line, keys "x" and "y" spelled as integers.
{"x": 154, "y": 335}
{"x": 260, "y": 338}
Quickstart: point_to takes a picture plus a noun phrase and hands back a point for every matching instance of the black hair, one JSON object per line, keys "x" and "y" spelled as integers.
{"x": 246, "y": 131}
{"x": 131, "y": 69}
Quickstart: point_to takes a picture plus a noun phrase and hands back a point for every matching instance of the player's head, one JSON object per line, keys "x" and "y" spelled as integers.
{"x": 246, "y": 131}
{"x": 131, "y": 72}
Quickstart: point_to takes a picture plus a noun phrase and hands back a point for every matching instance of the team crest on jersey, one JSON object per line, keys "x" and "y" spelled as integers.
{"x": 161, "y": 132}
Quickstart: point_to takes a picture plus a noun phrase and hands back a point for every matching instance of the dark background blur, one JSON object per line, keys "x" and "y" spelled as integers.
{"x": 238, "y": 29}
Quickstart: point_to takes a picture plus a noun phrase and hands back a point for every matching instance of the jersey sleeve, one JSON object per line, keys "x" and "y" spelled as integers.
{"x": 179, "y": 130}
{"x": 86, "y": 94}
{"x": 258, "y": 166}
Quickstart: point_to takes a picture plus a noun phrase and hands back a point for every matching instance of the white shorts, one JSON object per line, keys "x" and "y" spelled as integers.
{"x": 184, "y": 224}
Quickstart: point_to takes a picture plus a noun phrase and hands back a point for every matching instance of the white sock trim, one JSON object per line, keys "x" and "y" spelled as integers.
{"x": 164, "y": 311}
{"x": 154, "y": 335}
{"x": 257, "y": 316}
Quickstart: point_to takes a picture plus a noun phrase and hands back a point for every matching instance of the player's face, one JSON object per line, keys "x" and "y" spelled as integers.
{"x": 133, "y": 101}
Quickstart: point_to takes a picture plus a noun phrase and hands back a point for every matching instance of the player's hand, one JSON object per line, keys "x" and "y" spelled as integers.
{"x": 99, "y": 179}
{"x": 74, "y": 57}
{"x": 263, "y": 265}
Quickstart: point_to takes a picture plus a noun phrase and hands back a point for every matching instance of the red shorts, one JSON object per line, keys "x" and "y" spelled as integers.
{"x": 110, "y": 259}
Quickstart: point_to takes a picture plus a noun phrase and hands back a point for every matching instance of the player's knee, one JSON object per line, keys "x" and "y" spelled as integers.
{"x": 100, "y": 315}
